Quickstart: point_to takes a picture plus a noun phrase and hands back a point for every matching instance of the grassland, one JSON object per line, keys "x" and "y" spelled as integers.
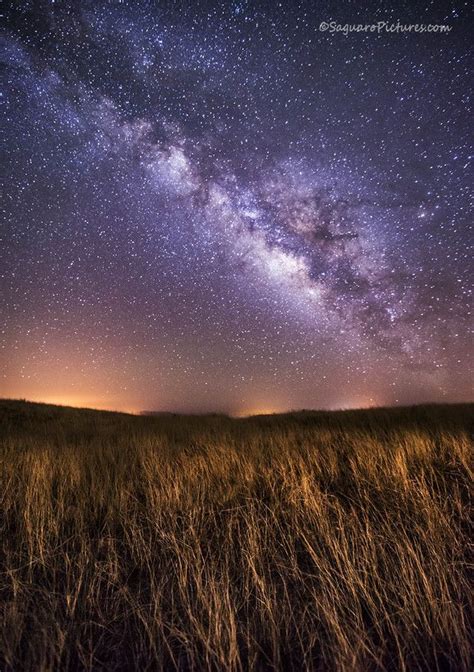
{"x": 308, "y": 541}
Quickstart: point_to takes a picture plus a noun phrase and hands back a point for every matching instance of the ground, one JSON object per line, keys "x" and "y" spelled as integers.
{"x": 305, "y": 541}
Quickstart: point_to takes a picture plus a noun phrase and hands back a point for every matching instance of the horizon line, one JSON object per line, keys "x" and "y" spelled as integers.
{"x": 236, "y": 415}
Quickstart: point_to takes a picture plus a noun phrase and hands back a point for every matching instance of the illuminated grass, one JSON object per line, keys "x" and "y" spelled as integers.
{"x": 308, "y": 541}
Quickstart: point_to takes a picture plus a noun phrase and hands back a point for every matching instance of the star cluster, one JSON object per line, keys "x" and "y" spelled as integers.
{"x": 217, "y": 207}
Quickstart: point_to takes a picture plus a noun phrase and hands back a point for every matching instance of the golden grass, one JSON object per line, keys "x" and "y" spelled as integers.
{"x": 311, "y": 541}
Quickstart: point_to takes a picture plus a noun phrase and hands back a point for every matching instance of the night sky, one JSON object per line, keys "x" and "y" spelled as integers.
{"x": 220, "y": 207}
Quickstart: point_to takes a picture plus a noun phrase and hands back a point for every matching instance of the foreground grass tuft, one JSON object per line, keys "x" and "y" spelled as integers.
{"x": 309, "y": 541}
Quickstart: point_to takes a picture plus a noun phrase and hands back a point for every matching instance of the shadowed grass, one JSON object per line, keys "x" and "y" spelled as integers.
{"x": 317, "y": 541}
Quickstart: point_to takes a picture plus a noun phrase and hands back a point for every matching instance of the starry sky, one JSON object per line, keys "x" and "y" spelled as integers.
{"x": 218, "y": 207}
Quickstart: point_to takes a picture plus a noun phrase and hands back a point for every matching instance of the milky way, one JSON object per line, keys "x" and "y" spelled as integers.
{"x": 219, "y": 207}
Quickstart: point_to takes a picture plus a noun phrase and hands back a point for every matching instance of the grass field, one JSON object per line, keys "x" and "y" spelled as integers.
{"x": 307, "y": 541}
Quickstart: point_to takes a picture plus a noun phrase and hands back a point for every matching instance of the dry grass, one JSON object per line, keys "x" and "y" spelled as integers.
{"x": 303, "y": 542}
